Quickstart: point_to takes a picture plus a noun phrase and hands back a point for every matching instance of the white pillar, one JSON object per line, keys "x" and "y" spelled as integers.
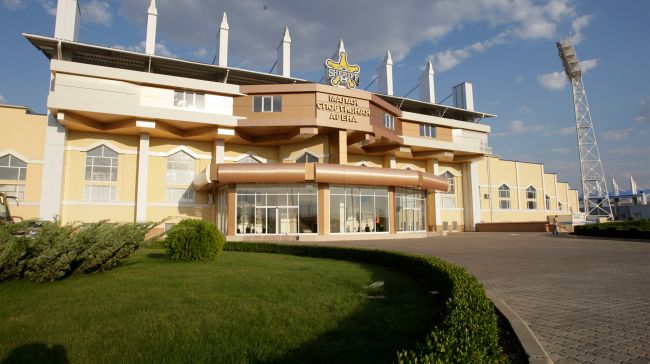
{"x": 219, "y": 150}
{"x": 426, "y": 84}
{"x": 518, "y": 187}
{"x": 67, "y": 20}
{"x": 152, "y": 16}
{"x": 53, "y": 164}
{"x": 438, "y": 197}
{"x": 385, "y": 75}
{"x": 475, "y": 195}
{"x": 284, "y": 55}
{"x": 222, "y": 42}
{"x": 143, "y": 179}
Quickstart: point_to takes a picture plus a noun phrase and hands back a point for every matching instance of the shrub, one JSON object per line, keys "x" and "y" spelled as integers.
{"x": 56, "y": 251}
{"x": 194, "y": 240}
{"x": 468, "y": 332}
{"x": 638, "y": 229}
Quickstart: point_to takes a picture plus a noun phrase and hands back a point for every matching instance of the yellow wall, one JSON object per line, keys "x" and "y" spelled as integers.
{"x": 23, "y": 135}
{"x": 530, "y": 174}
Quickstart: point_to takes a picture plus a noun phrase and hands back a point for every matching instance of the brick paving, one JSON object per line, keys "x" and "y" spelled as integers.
{"x": 586, "y": 300}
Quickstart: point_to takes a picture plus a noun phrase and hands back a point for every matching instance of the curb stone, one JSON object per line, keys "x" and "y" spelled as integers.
{"x": 530, "y": 343}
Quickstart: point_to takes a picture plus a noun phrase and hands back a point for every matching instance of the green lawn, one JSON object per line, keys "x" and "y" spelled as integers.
{"x": 245, "y": 307}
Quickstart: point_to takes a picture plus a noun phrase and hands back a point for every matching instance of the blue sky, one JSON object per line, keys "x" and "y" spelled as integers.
{"x": 506, "y": 48}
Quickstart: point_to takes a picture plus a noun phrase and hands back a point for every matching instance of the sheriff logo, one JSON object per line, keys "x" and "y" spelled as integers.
{"x": 341, "y": 73}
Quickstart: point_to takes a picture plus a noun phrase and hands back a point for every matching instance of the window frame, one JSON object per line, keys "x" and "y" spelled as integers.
{"x": 195, "y": 96}
{"x": 504, "y": 200}
{"x": 307, "y": 155}
{"x": 531, "y": 202}
{"x": 114, "y": 165}
{"x": 449, "y": 196}
{"x": 389, "y": 121}
{"x": 191, "y": 162}
{"x": 18, "y": 190}
{"x": 21, "y": 168}
{"x": 427, "y": 131}
{"x": 267, "y": 103}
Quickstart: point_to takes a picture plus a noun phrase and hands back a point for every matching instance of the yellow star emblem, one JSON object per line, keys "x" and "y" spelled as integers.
{"x": 343, "y": 73}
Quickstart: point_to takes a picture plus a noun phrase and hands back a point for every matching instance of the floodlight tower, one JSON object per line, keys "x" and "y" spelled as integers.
{"x": 594, "y": 188}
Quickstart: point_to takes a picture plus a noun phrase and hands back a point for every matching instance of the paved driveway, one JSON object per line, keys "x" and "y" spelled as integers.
{"x": 586, "y": 300}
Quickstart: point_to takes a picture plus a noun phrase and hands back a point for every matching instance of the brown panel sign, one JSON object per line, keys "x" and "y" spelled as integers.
{"x": 331, "y": 107}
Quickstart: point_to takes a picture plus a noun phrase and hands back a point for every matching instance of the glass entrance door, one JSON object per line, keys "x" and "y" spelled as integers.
{"x": 276, "y": 220}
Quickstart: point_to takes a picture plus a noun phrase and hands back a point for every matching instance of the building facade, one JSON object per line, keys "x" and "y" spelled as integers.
{"x": 138, "y": 137}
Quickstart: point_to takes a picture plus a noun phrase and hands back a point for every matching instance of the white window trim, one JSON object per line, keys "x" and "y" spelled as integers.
{"x": 509, "y": 198}
{"x": 262, "y": 105}
{"x": 310, "y": 154}
{"x": 298, "y": 153}
{"x": 251, "y": 155}
{"x": 20, "y": 156}
{"x": 431, "y": 128}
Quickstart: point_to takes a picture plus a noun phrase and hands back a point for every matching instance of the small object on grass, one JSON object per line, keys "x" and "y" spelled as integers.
{"x": 374, "y": 290}
{"x": 433, "y": 293}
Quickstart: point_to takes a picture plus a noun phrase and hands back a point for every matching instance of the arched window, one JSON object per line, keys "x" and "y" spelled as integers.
{"x": 547, "y": 202}
{"x": 531, "y": 198}
{"x": 449, "y": 197}
{"x": 180, "y": 168}
{"x": 307, "y": 158}
{"x": 12, "y": 168}
{"x": 452, "y": 182}
{"x": 504, "y": 196}
{"x": 101, "y": 164}
{"x": 248, "y": 159}
{"x": 180, "y": 173}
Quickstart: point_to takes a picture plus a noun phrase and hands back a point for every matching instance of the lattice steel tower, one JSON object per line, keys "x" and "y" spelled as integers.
{"x": 595, "y": 196}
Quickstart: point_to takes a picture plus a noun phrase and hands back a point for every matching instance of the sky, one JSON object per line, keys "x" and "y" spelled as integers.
{"x": 506, "y": 48}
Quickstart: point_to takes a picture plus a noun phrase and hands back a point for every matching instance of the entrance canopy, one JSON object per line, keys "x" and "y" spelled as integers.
{"x": 316, "y": 172}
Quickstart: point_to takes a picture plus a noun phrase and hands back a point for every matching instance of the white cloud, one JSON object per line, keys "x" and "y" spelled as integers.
{"x": 49, "y": 6}
{"x": 644, "y": 111}
{"x": 516, "y": 127}
{"x": 616, "y": 135}
{"x": 557, "y": 80}
{"x": 561, "y": 131}
{"x": 577, "y": 24}
{"x": 561, "y": 151}
{"x": 3, "y": 100}
{"x": 13, "y": 4}
{"x": 519, "y": 79}
{"x": 256, "y": 28}
{"x": 160, "y": 50}
{"x": 96, "y": 12}
{"x": 200, "y": 53}
{"x": 450, "y": 58}
{"x": 553, "y": 81}
{"x": 588, "y": 64}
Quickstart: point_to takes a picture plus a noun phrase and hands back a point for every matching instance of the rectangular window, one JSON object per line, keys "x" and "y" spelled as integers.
{"x": 267, "y": 103}
{"x": 180, "y": 195}
{"x": 532, "y": 205}
{"x": 427, "y": 131}
{"x": 189, "y": 99}
{"x": 504, "y": 204}
{"x": 100, "y": 193}
{"x": 17, "y": 191}
{"x": 389, "y": 121}
{"x": 358, "y": 210}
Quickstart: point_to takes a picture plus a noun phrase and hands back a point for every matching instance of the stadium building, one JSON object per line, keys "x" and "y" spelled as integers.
{"x": 134, "y": 136}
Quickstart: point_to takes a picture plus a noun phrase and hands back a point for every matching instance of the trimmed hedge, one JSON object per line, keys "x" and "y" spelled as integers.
{"x": 468, "y": 332}
{"x": 638, "y": 229}
{"x": 193, "y": 239}
{"x": 55, "y": 252}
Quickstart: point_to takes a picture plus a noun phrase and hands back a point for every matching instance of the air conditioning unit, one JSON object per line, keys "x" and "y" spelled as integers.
{"x": 486, "y": 196}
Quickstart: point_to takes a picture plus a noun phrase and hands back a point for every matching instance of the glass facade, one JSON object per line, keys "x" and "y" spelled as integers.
{"x": 358, "y": 209}
{"x": 410, "y": 210}
{"x": 277, "y": 209}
